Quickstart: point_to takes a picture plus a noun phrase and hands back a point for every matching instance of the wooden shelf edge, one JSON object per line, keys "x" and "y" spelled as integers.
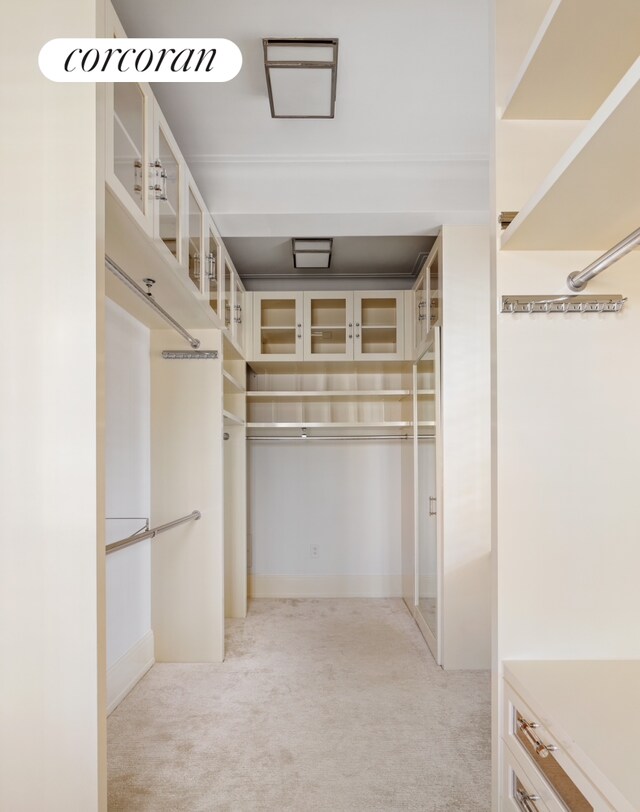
{"x": 330, "y": 393}
{"x": 233, "y": 382}
{"x": 390, "y": 425}
{"x": 511, "y": 238}
{"x": 229, "y": 417}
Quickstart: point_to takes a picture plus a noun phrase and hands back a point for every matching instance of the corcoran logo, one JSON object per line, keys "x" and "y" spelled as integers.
{"x": 135, "y": 60}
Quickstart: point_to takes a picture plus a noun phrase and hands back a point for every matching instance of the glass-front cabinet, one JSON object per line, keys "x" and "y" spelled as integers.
{"x": 213, "y": 260}
{"x": 378, "y": 326}
{"x": 420, "y": 316}
{"x": 166, "y": 176}
{"x": 227, "y": 296}
{"x": 129, "y": 150}
{"x": 277, "y": 333}
{"x": 329, "y": 326}
{"x": 194, "y": 252}
{"x": 239, "y": 311}
{"x": 427, "y": 299}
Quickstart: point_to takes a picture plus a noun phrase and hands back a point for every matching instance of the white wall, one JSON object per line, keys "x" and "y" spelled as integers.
{"x": 466, "y": 450}
{"x": 187, "y": 474}
{"x": 52, "y": 753}
{"x": 345, "y": 497}
{"x": 568, "y": 450}
{"x": 127, "y": 461}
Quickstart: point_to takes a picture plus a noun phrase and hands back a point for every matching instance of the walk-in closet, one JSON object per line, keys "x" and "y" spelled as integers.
{"x": 319, "y": 410}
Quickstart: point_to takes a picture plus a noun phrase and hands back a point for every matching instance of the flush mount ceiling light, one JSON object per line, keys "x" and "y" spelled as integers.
{"x": 311, "y": 252}
{"x": 301, "y": 77}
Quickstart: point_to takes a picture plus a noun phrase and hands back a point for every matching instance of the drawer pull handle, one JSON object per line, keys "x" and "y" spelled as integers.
{"x": 526, "y": 802}
{"x": 540, "y": 747}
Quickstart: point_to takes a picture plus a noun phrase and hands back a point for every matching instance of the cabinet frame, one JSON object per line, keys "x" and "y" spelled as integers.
{"x": 144, "y": 216}
{"x": 349, "y": 331}
{"x": 160, "y": 123}
{"x": 296, "y": 298}
{"x": 359, "y": 326}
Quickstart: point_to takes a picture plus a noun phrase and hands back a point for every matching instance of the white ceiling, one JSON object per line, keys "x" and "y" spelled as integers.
{"x": 406, "y": 152}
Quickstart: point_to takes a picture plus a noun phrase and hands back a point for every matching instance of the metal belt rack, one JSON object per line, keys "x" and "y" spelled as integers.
{"x": 563, "y": 304}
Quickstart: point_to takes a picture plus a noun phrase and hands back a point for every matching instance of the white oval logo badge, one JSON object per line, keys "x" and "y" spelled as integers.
{"x": 140, "y": 60}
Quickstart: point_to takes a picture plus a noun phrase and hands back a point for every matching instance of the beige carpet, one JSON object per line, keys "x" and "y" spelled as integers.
{"x": 320, "y": 705}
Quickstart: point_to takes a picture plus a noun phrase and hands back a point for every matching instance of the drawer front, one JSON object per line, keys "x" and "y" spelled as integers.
{"x": 520, "y": 793}
{"x": 527, "y": 736}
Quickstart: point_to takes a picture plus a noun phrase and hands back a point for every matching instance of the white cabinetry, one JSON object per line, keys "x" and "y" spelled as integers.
{"x": 129, "y": 142}
{"x": 148, "y": 177}
{"x": 329, "y": 326}
{"x": 567, "y": 167}
{"x": 427, "y": 305}
{"x": 277, "y": 331}
{"x": 569, "y": 735}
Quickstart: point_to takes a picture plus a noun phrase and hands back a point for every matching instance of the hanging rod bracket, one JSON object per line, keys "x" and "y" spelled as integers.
{"x": 147, "y": 297}
{"x": 563, "y": 304}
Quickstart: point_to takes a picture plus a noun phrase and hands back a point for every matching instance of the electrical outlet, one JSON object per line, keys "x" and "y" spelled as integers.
{"x": 314, "y": 551}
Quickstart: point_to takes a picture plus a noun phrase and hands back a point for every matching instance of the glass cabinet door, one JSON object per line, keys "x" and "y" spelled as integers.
{"x": 420, "y": 316}
{"x": 228, "y": 296}
{"x": 130, "y": 159}
{"x": 277, "y": 331}
{"x": 212, "y": 260}
{"x": 378, "y": 326}
{"x": 194, "y": 241}
{"x": 166, "y": 183}
{"x": 329, "y": 326}
{"x": 435, "y": 292}
{"x": 238, "y": 310}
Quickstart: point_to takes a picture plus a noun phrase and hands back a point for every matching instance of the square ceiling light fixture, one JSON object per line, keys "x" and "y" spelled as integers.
{"x": 312, "y": 252}
{"x": 301, "y": 77}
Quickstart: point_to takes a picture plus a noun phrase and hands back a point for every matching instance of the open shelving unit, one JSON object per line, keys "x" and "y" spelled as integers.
{"x": 601, "y": 170}
{"x": 578, "y": 55}
{"x": 338, "y": 396}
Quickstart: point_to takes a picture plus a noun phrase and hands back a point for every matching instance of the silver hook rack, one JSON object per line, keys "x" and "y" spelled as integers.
{"x": 563, "y": 304}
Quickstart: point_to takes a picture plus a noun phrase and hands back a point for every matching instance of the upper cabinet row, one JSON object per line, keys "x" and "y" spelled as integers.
{"x": 381, "y": 325}
{"x": 148, "y": 175}
{"x": 329, "y": 326}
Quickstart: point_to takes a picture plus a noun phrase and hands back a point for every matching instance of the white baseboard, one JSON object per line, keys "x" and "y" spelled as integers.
{"x": 128, "y": 670}
{"x": 325, "y": 586}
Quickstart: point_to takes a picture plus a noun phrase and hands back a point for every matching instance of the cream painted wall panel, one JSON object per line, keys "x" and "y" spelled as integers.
{"x": 466, "y": 485}
{"x": 51, "y": 611}
{"x": 343, "y": 497}
{"x": 568, "y": 450}
{"x": 128, "y": 479}
{"x": 187, "y": 562}
{"x": 544, "y": 143}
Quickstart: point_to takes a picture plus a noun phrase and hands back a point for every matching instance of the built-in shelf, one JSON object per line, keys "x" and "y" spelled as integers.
{"x": 580, "y": 52}
{"x": 590, "y": 200}
{"x": 349, "y": 425}
{"x": 334, "y": 393}
{"x": 319, "y": 396}
{"x": 232, "y": 419}
{"x": 231, "y": 384}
